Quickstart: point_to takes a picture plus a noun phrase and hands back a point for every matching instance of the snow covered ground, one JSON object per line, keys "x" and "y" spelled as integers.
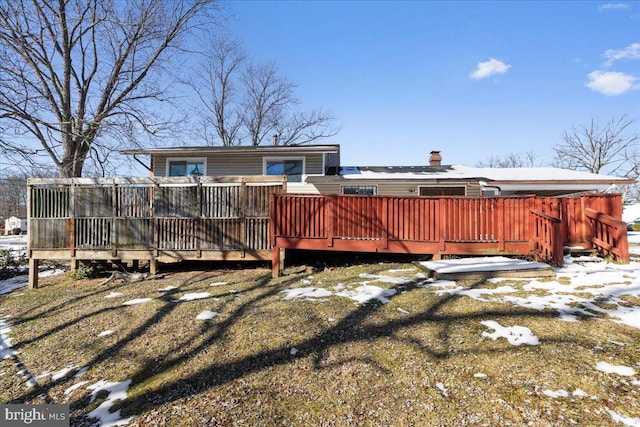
{"x": 17, "y": 245}
{"x": 573, "y": 295}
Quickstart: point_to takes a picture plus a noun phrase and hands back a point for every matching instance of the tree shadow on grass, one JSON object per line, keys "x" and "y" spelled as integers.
{"x": 351, "y": 329}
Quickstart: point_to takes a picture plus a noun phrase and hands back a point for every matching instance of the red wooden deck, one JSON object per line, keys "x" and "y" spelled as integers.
{"x": 528, "y": 226}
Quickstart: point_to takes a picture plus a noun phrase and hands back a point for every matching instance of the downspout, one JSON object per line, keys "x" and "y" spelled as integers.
{"x": 484, "y": 185}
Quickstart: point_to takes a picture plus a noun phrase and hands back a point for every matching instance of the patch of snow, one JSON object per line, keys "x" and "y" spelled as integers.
{"x": 13, "y": 283}
{"x": 293, "y": 351}
{"x": 105, "y": 333}
{"x": 6, "y": 350}
{"x": 469, "y": 265}
{"x": 194, "y": 296}
{"x": 62, "y": 373}
{"x": 117, "y": 391}
{"x": 626, "y": 371}
{"x": 555, "y": 394}
{"x": 515, "y": 335}
{"x": 630, "y": 212}
{"x": 306, "y": 292}
{"x": 50, "y": 272}
{"x": 136, "y": 301}
{"x": 167, "y": 288}
{"x": 81, "y": 372}
{"x": 403, "y": 311}
{"x": 75, "y": 387}
{"x": 479, "y": 375}
{"x": 113, "y": 295}
{"x": 579, "y": 393}
{"x": 366, "y": 293}
{"x": 218, "y": 284}
{"x": 627, "y": 421}
{"x": 385, "y": 279}
{"x": 443, "y": 389}
{"x": 206, "y": 315}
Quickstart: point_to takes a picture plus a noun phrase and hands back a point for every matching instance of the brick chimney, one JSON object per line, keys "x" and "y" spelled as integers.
{"x": 435, "y": 159}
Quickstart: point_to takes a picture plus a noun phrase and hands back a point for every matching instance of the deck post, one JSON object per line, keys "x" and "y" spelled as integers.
{"x": 501, "y": 224}
{"x": 153, "y": 266}
{"x": 275, "y": 262}
{"x": 33, "y": 273}
{"x": 385, "y": 223}
{"x": 330, "y": 208}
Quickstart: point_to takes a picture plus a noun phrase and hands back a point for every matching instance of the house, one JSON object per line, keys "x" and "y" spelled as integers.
{"x": 298, "y": 163}
{"x": 316, "y": 169}
{"x": 13, "y": 223}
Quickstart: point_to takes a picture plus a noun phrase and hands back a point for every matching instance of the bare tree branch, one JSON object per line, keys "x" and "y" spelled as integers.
{"x": 611, "y": 149}
{"x": 511, "y": 160}
{"x": 76, "y": 70}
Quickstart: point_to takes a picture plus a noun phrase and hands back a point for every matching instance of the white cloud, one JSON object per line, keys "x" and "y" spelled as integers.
{"x": 611, "y": 82}
{"x": 489, "y": 68}
{"x": 613, "y": 6}
{"x": 630, "y": 52}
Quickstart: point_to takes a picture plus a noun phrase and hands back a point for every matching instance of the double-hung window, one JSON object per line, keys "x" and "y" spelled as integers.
{"x": 293, "y": 168}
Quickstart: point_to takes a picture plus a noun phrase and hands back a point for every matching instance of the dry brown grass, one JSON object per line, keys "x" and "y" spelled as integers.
{"x": 370, "y": 364}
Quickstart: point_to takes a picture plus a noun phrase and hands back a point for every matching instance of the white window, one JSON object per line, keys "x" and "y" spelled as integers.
{"x": 186, "y": 167}
{"x": 292, "y": 167}
{"x": 365, "y": 190}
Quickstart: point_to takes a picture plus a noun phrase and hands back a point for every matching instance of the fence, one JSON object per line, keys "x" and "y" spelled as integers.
{"x": 154, "y": 219}
{"x": 533, "y": 226}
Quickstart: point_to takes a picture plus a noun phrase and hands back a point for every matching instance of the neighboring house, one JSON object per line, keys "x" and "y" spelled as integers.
{"x": 316, "y": 169}
{"x": 14, "y": 222}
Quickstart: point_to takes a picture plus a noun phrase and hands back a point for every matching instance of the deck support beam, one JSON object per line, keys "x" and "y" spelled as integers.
{"x": 33, "y": 273}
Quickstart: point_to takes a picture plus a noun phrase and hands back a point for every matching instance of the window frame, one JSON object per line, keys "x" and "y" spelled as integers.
{"x": 188, "y": 160}
{"x": 303, "y": 175}
{"x": 373, "y": 186}
{"x": 442, "y": 187}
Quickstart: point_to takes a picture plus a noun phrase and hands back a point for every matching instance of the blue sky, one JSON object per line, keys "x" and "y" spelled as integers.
{"x": 471, "y": 79}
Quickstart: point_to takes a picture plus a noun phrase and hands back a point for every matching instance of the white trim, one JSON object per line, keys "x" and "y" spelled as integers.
{"x": 185, "y": 159}
{"x": 283, "y": 158}
{"x": 342, "y": 186}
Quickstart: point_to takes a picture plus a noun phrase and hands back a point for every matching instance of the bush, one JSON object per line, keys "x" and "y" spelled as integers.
{"x": 635, "y": 227}
{"x": 16, "y": 231}
{"x": 84, "y": 272}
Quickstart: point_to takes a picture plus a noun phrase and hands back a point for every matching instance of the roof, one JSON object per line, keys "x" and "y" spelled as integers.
{"x": 269, "y": 149}
{"x": 467, "y": 172}
{"x": 507, "y": 179}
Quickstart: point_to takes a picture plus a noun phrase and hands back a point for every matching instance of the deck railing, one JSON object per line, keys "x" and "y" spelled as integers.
{"x": 154, "y": 219}
{"x": 609, "y": 235}
{"x": 529, "y": 226}
{"x": 547, "y": 238}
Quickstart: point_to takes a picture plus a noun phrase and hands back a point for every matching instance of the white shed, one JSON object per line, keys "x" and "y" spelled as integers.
{"x": 15, "y": 222}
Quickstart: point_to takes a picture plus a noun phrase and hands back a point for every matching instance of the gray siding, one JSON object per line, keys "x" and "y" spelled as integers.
{"x": 225, "y": 164}
{"x": 392, "y": 188}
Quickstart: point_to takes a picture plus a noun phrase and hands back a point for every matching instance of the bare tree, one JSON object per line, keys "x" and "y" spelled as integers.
{"x": 511, "y": 160}
{"x": 13, "y": 195}
{"x": 217, "y": 90}
{"x": 610, "y": 149}
{"x": 266, "y": 99}
{"x": 74, "y": 71}
{"x": 246, "y": 103}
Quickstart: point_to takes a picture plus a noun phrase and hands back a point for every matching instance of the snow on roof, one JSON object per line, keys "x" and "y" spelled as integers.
{"x": 468, "y": 172}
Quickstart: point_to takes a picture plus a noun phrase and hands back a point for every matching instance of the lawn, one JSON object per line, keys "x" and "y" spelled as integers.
{"x": 375, "y": 344}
